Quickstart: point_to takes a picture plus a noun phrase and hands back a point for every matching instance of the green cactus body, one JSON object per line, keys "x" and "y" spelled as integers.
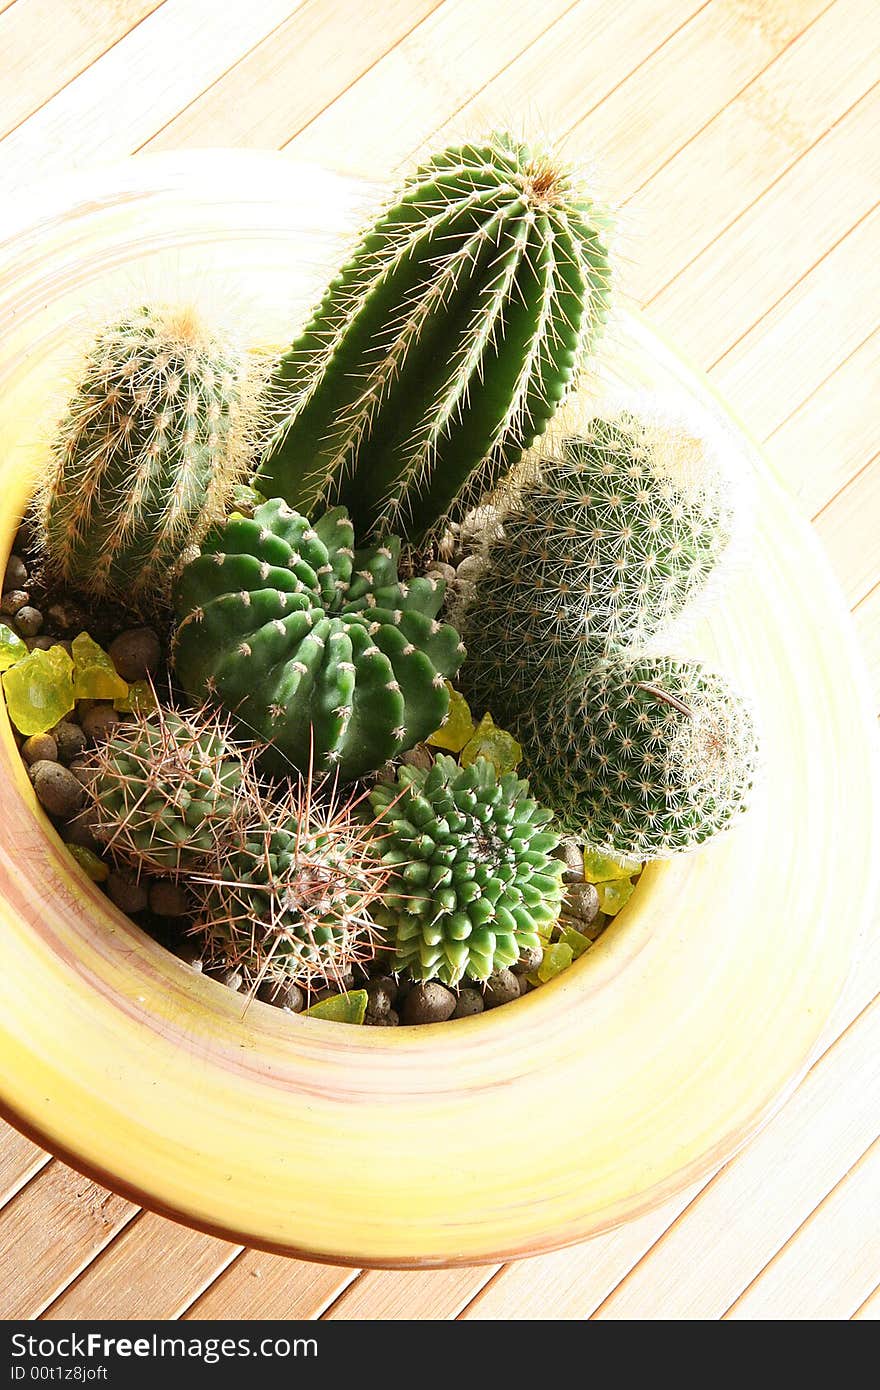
{"x": 318, "y": 649}
{"x": 618, "y": 532}
{"x": 443, "y": 347}
{"x": 165, "y": 788}
{"x": 644, "y": 758}
{"x": 473, "y": 878}
{"x": 157, "y": 434}
{"x": 287, "y": 898}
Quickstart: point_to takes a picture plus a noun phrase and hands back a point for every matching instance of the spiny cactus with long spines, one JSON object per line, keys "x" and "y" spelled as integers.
{"x": 617, "y": 532}
{"x": 164, "y": 422}
{"x": 166, "y": 788}
{"x": 473, "y": 877}
{"x": 644, "y": 757}
{"x": 316, "y": 648}
{"x": 288, "y": 895}
{"x": 443, "y": 347}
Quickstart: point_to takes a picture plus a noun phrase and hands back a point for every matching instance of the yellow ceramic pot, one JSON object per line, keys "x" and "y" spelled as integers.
{"x": 533, "y": 1126}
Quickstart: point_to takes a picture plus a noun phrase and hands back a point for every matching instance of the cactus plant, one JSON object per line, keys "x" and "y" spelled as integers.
{"x": 317, "y": 648}
{"x": 287, "y": 896}
{"x": 165, "y": 788}
{"x": 162, "y": 425}
{"x": 643, "y": 758}
{"x": 444, "y": 345}
{"x": 473, "y": 881}
{"x": 617, "y": 532}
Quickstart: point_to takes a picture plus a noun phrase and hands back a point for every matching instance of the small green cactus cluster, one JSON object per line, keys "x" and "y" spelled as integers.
{"x": 165, "y": 788}
{"x": 288, "y": 896}
{"x": 618, "y": 530}
{"x": 160, "y": 429}
{"x": 473, "y": 877}
{"x": 443, "y": 347}
{"x": 319, "y": 650}
{"x": 644, "y": 758}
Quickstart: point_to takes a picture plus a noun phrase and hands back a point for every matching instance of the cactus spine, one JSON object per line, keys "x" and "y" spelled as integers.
{"x": 443, "y": 347}
{"x": 645, "y": 757}
{"x": 287, "y": 896}
{"x": 165, "y": 788}
{"x": 618, "y": 531}
{"x": 318, "y": 649}
{"x": 473, "y": 878}
{"x": 161, "y": 427}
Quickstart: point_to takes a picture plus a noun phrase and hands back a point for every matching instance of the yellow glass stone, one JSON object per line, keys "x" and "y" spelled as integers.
{"x": 140, "y": 699}
{"x": 39, "y": 690}
{"x": 494, "y": 744}
{"x": 557, "y": 958}
{"x": 613, "y": 895}
{"x": 341, "y": 1008}
{"x": 579, "y": 943}
{"x": 12, "y": 648}
{"x": 459, "y": 727}
{"x": 94, "y": 675}
{"x": 88, "y": 860}
{"x": 599, "y": 868}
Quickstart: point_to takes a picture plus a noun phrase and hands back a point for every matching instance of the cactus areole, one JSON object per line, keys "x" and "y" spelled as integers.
{"x": 317, "y": 649}
{"x": 443, "y": 347}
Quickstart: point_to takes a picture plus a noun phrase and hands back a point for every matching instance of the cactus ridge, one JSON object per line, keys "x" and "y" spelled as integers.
{"x": 473, "y": 880}
{"x": 166, "y": 788}
{"x": 643, "y": 758}
{"x": 161, "y": 427}
{"x": 617, "y": 533}
{"x": 443, "y": 347}
{"x": 317, "y": 648}
{"x": 287, "y": 897}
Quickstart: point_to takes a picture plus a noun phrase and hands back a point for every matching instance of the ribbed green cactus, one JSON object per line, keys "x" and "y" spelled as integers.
{"x": 318, "y": 649}
{"x": 473, "y": 880}
{"x": 287, "y": 896}
{"x": 445, "y": 344}
{"x": 161, "y": 427}
{"x": 165, "y": 788}
{"x": 616, "y": 534}
{"x": 644, "y": 757}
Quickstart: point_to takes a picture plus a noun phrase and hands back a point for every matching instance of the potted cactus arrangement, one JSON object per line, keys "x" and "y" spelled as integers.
{"x": 351, "y": 673}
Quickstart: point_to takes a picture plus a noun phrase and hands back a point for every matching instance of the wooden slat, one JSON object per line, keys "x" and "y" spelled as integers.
{"x": 20, "y": 1160}
{"x": 821, "y": 321}
{"x": 781, "y": 237}
{"x": 827, "y": 440}
{"x": 271, "y": 1286}
{"x": 432, "y": 73}
{"x": 828, "y": 1269}
{"x": 848, "y": 527}
{"x": 68, "y": 37}
{"x": 425, "y": 1294}
{"x": 124, "y": 1282}
{"x": 777, "y": 117}
{"x": 288, "y": 79}
{"x": 49, "y": 1232}
{"x": 646, "y": 120}
{"x": 870, "y": 1309}
{"x": 702, "y": 1264}
{"x": 571, "y": 67}
{"x": 136, "y": 88}
{"x": 570, "y": 1284}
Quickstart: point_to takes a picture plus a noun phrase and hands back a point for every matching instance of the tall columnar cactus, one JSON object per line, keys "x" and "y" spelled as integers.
{"x": 162, "y": 425}
{"x": 444, "y": 345}
{"x": 618, "y": 531}
{"x": 287, "y": 897}
{"x": 473, "y": 878}
{"x": 644, "y": 757}
{"x": 166, "y": 789}
{"x": 317, "y": 649}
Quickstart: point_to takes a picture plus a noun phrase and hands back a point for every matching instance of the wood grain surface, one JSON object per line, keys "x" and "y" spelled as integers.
{"x": 739, "y": 140}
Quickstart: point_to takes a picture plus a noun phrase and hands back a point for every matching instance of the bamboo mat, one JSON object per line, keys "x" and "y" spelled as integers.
{"x": 741, "y": 141}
